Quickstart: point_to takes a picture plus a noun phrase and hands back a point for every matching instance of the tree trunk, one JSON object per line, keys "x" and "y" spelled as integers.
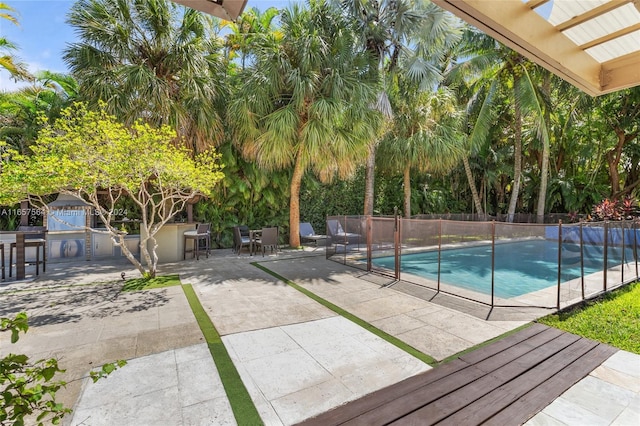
{"x": 369, "y": 180}
{"x": 407, "y": 191}
{"x": 544, "y": 168}
{"x": 613, "y": 160}
{"x": 517, "y": 162}
{"x": 472, "y": 185}
{"x": 294, "y": 203}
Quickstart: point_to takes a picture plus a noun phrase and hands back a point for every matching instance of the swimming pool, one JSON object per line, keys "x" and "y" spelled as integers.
{"x": 520, "y": 267}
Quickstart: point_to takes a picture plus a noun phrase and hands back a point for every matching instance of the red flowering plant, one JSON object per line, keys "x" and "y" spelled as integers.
{"x": 626, "y": 209}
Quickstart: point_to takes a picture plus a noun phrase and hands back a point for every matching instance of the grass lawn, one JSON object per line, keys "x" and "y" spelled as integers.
{"x": 136, "y": 284}
{"x": 613, "y": 319}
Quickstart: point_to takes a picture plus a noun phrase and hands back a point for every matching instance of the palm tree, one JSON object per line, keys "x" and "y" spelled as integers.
{"x": 245, "y": 30}
{"x": 394, "y": 32}
{"x": 509, "y": 71}
{"x": 151, "y": 60}
{"x": 304, "y": 103}
{"x": 425, "y": 135}
{"x": 8, "y": 61}
{"x": 21, "y": 111}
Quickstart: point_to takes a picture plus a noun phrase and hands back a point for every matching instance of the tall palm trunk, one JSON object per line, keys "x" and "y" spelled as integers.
{"x": 369, "y": 180}
{"x": 517, "y": 160}
{"x": 294, "y": 201}
{"x": 472, "y": 185}
{"x": 407, "y": 191}
{"x": 544, "y": 168}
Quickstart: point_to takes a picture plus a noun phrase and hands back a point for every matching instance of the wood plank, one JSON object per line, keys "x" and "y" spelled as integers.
{"x": 440, "y": 408}
{"x": 536, "y": 332}
{"x": 355, "y": 412}
{"x": 485, "y": 407}
{"x": 513, "y": 353}
{"x": 539, "y": 397}
{"x": 390, "y": 411}
{"x": 356, "y": 408}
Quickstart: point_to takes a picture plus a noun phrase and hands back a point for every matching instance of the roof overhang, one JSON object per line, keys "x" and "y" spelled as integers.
{"x": 593, "y": 44}
{"x": 224, "y": 9}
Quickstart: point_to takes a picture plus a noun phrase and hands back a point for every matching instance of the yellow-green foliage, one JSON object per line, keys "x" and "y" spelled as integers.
{"x": 87, "y": 151}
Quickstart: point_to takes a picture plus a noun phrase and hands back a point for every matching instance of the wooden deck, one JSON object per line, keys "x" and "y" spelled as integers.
{"x": 504, "y": 383}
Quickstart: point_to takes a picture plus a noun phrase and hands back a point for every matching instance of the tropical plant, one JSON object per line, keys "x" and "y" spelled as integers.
{"x": 151, "y": 60}
{"x": 493, "y": 67}
{"x": 21, "y": 111}
{"x": 425, "y": 135}
{"x": 410, "y": 37}
{"x": 8, "y": 60}
{"x": 305, "y": 102}
{"x": 87, "y": 154}
{"x": 245, "y": 31}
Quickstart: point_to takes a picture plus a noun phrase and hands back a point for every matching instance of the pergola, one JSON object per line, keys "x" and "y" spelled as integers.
{"x": 592, "y": 44}
{"x": 224, "y": 9}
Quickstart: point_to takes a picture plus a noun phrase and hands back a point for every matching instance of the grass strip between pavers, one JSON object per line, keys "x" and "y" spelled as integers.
{"x": 362, "y": 323}
{"x": 243, "y": 408}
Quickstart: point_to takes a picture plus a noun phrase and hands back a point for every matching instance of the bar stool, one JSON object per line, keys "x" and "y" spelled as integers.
{"x": 36, "y": 240}
{"x": 202, "y": 233}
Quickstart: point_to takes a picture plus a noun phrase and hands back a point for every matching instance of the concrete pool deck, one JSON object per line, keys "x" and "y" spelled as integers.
{"x": 296, "y": 357}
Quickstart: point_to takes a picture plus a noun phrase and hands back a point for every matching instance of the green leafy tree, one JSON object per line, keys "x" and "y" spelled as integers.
{"x": 304, "y": 104}
{"x": 409, "y": 37}
{"x": 151, "y": 60}
{"x": 425, "y": 135}
{"x": 494, "y": 68}
{"x": 87, "y": 154}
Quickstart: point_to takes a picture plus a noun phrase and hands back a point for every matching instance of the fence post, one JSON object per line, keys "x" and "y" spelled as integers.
{"x": 623, "y": 262}
{"x": 369, "y": 225}
{"x": 493, "y": 259}
{"x": 439, "y": 249}
{"x": 396, "y": 242}
{"x": 635, "y": 245}
{"x": 559, "y": 261}
{"x": 606, "y": 253}
{"x": 581, "y": 260}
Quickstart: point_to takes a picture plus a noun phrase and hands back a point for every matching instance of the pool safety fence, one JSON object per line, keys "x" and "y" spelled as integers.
{"x": 494, "y": 263}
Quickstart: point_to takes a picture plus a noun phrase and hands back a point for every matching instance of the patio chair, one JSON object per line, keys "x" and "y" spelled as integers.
{"x": 201, "y": 234}
{"x": 308, "y": 234}
{"x": 240, "y": 239}
{"x": 31, "y": 240}
{"x": 338, "y": 236}
{"x": 268, "y": 238}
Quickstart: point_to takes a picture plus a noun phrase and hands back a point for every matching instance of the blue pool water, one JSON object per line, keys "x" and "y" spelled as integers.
{"x": 520, "y": 267}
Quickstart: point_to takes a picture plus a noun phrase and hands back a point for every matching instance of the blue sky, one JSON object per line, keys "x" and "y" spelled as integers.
{"x": 43, "y": 33}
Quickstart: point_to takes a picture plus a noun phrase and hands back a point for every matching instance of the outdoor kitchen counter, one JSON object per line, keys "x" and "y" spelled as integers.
{"x": 171, "y": 241}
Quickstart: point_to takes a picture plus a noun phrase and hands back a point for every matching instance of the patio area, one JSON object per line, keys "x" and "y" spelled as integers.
{"x": 296, "y": 357}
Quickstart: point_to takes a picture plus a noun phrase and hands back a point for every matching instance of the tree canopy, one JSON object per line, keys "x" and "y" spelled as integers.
{"x": 90, "y": 155}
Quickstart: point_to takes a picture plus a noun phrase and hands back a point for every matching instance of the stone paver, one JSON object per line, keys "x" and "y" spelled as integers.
{"x": 301, "y": 370}
{"x": 164, "y": 388}
{"x": 610, "y": 395}
{"x": 296, "y": 357}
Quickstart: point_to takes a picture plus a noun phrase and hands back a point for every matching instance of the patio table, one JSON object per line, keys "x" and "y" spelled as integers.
{"x": 254, "y": 234}
{"x": 20, "y": 250}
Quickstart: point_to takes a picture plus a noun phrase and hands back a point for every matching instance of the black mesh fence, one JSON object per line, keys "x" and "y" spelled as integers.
{"x": 495, "y": 263}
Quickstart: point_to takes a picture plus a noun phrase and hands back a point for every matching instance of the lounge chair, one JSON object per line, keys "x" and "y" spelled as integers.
{"x": 240, "y": 240}
{"x": 338, "y": 236}
{"x": 268, "y": 238}
{"x": 308, "y": 234}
